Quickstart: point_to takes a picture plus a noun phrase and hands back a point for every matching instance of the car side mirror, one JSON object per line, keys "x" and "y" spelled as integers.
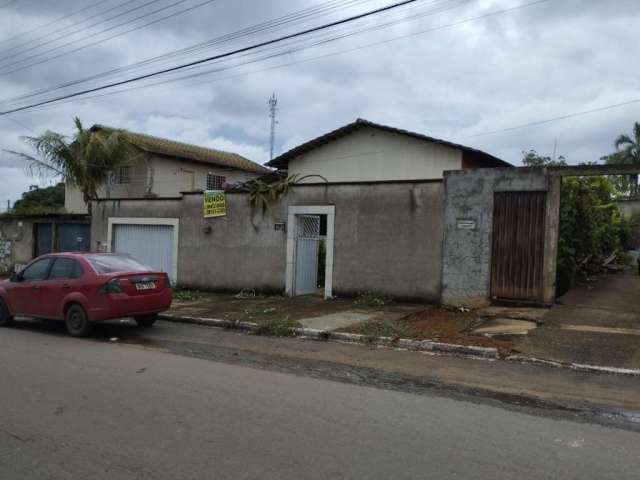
{"x": 15, "y": 277}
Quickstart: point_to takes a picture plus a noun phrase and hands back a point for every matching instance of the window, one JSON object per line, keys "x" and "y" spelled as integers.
{"x": 37, "y": 271}
{"x": 110, "y": 263}
{"x": 123, "y": 175}
{"x": 65, "y": 268}
{"x": 215, "y": 182}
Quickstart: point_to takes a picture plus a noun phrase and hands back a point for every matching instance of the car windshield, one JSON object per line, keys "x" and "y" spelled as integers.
{"x": 116, "y": 263}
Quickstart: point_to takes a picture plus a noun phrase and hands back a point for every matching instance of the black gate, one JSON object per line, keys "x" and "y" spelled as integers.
{"x": 518, "y": 246}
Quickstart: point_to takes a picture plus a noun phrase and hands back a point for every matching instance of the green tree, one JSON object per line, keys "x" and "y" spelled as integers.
{"x": 627, "y": 153}
{"x": 85, "y": 160}
{"x": 41, "y": 200}
{"x": 591, "y": 225}
{"x": 533, "y": 159}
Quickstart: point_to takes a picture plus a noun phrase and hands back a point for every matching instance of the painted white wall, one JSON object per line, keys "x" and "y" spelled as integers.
{"x": 369, "y": 155}
{"x": 167, "y": 177}
{"x": 73, "y": 202}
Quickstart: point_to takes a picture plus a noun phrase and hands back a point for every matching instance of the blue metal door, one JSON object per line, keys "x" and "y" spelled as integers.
{"x": 73, "y": 237}
{"x": 44, "y": 239}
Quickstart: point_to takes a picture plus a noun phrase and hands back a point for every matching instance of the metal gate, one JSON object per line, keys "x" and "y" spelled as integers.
{"x": 153, "y": 245}
{"x": 44, "y": 239}
{"x": 73, "y": 237}
{"x": 518, "y": 246}
{"x": 306, "y": 259}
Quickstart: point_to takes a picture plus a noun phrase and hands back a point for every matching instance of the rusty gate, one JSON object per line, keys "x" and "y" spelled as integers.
{"x": 518, "y": 246}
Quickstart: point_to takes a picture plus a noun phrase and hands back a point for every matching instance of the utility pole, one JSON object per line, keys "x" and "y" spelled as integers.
{"x": 273, "y": 109}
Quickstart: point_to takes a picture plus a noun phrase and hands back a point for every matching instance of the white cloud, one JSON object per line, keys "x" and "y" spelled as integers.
{"x": 510, "y": 69}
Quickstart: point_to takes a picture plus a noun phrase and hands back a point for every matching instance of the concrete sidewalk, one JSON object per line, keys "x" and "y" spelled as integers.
{"x": 594, "y": 324}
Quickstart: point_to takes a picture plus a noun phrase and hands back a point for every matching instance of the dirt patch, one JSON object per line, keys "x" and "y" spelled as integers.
{"x": 273, "y": 307}
{"x": 437, "y": 324}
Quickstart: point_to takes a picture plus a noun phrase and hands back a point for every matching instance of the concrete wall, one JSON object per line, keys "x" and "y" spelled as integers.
{"x": 16, "y": 243}
{"x": 371, "y": 154}
{"x": 467, "y": 252}
{"x": 388, "y": 238}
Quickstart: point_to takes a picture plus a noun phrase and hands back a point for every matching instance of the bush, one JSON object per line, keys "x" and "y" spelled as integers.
{"x": 590, "y": 226}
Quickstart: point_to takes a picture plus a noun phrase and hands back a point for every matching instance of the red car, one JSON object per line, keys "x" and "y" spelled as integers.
{"x": 81, "y": 288}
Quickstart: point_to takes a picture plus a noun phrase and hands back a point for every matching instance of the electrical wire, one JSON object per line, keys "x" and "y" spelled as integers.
{"x": 223, "y": 39}
{"x": 223, "y": 55}
{"x": 287, "y": 51}
{"x": 62, "y": 29}
{"x": 52, "y": 22}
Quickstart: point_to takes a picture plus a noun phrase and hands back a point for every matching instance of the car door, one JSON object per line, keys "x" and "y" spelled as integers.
{"x": 25, "y": 295}
{"x": 64, "y": 278}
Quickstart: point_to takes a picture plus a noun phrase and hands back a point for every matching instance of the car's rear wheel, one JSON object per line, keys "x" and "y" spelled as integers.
{"x": 76, "y": 320}
{"x": 5, "y": 316}
{"x": 146, "y": 320}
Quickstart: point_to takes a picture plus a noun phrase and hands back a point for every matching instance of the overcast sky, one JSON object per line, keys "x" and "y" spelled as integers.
{"x": 460, "y": 79}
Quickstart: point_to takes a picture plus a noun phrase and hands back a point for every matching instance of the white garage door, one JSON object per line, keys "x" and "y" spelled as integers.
{"x": 153, "y": 245}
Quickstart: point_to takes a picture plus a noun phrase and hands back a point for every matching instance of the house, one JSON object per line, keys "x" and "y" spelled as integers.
{"x": 375, "y": 224}
{"x": 363, "y": 151}
{"x": 166, "y": 168}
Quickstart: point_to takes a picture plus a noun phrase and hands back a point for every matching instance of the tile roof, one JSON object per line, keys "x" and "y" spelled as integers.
{"x": 282, "y": 161}
{"x": 163, "y": 146}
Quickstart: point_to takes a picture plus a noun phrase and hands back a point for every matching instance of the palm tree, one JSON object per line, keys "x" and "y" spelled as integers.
{"x": 627, "y": 153}
{"x": 86, "y": 161}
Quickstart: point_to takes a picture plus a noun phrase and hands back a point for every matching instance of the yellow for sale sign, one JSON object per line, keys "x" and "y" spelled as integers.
{"x": 215, "y": 204}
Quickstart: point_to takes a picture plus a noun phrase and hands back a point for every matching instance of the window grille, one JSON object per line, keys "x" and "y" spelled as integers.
{"x": 215, "y": 182}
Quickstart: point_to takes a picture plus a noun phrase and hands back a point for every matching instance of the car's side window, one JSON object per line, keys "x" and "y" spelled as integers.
{"x": 36, "y": 271}
{"x": 65, "y": 268}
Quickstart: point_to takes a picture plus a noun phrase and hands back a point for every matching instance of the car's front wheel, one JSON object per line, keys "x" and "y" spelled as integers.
{"x": 76, "y": 320}
{"x": 146, "y": 320}
{"x": 5, "y": 316}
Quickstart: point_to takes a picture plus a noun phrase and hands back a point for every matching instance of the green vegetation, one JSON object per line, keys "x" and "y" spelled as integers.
{"x": 372, "y": 299}
{"x": 383, "y": 328}
{"x": 264, "y": 191}
{"x": 591, "y": 226}
{"x": 187, "y": 295}
{"x": 627, "y": 153}
{"x": 40, "y": 201}
{"x": 278, "y": 327}
{"x": 85, "y": 160}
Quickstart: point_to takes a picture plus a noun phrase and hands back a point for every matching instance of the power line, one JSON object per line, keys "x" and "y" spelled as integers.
{"x": 289, "y": 50}
{"x": 52, "y": 22}
{"x": 62, "y": 29}
{"x": 216, "y": 57}
{"x": 292, "y": 18}
{"x": 49, "y": 41}
{"x": 86, "y": 45}
{"x": 555, "y": 119}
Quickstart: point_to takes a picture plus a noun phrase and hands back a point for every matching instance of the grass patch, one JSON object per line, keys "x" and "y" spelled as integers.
{"x": 382, "y": 328}
{"x": 278, "y": 327}
{"x": 372, "y": 299}
{"x": 187, "y": 295}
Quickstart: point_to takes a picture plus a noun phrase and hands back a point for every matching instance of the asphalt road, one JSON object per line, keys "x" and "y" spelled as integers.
{"x": 90, "y": 409}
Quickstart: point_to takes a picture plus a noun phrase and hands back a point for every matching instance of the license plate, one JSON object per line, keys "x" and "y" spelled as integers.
{"x": 145, "y": 286}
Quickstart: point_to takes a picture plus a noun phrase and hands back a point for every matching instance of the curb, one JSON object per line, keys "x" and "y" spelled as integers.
{"x": 328, "y": 335}
{"x": 427, "y": 346}
{"x": 574, "y": 366}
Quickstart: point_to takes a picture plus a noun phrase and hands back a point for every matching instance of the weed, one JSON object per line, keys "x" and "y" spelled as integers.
{"x": 187, "y": 295}
{"x": 372, "y": 299}
{"x": 280, "y": 327}
{"x": 383, "y": 328}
